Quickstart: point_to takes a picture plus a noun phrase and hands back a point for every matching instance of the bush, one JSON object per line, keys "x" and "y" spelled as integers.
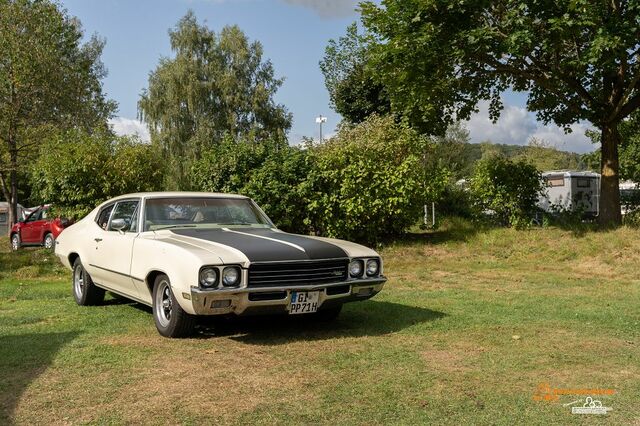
{"x": 508, "y": 190}
{"x": 278, "y": 185}
{"x": 227, "y": 167}
{"x": 456, "y": 201}
{"x": 370, "y": 181}
{"x": 271, "y": 173}
{"x": 76, "y": 171}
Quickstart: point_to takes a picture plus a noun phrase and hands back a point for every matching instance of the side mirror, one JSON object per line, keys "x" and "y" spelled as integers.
{"x": 64, "y": 222}
{"x": 119, "y": 225}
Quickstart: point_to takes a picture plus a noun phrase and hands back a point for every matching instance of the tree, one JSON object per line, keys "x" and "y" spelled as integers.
{"x": 629, "y": 150}
{"x": 578, "y": 60}
{"x": 509, "y": 189}
{"x": 353, "y": 91}
{"x": 371, "y": 180}
{"x": 110, "y": 166}
{"x": 450, "y": 151}
{"x": 217, "y": 85}
{"x": 47, "y": 78}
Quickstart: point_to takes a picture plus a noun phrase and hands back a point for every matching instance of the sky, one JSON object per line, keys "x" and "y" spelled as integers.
{"x": 294, "y": 34}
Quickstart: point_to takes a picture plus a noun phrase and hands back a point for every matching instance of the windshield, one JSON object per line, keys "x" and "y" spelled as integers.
{"x": 202, "y": 212}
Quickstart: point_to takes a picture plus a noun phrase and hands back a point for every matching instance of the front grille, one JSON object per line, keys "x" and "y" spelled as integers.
{"x": 339, "y": 289}
{"x": 270, "y": 295}
{"x": 298, "y": 273}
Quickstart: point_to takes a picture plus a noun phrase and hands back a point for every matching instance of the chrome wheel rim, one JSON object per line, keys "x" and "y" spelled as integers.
{"x": 48, "y": 242}
{"x": 14, "y": 242}
{"x": 78, "y": 281}
{"x": 164, "y": 305}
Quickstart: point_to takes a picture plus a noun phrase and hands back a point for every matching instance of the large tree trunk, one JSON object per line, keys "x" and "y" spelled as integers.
{"x": 609, "y": 184}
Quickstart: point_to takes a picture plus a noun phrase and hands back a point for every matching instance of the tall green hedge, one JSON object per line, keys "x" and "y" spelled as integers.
{"x": 371, "y": 180}
{"x": 76, "y": 171}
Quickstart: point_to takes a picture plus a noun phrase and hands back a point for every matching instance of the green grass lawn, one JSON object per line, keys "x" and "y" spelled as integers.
{"x": 469, "y": 325}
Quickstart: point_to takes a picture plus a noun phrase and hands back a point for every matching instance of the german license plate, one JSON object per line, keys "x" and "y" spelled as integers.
{"x": 304, "y": 302}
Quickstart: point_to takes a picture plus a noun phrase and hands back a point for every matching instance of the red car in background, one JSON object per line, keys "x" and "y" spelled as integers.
{"x": 37, "y": 229}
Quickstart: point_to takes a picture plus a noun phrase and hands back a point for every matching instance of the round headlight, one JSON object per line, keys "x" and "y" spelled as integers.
{"x": 372, "y": 267}
{"x": 208, "y": 277}
{"x": 356, "y": 268}
{"x": 231, "y": 276}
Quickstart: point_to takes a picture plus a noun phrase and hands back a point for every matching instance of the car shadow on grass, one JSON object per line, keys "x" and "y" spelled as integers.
{"x": 370, "y": 318}
{"x": 23, "y": 358}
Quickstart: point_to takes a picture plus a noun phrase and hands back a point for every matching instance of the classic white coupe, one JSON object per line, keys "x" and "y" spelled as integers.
{"x": 191, "y": 253}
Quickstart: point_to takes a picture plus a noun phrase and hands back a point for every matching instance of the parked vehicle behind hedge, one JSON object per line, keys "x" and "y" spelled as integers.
{"x": 38, "y": 228}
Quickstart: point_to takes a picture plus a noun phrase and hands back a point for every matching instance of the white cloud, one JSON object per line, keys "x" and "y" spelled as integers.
{"x": 328, "y": 8}
{"x": 575, "y": 141}
{"x": 517, "y": 126}
{"x": 128, "y": 127}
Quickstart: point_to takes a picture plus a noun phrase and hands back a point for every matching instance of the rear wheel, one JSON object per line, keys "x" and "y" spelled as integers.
{"x": 171, "y": 320}
{"x": 15, "y": 242}
{"x": 84, "y": 290}
{"x": 49, "y": 241}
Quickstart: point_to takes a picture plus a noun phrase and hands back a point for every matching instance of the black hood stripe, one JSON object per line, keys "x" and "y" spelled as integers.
{"x": 295, "y": 246}
{"x": 267, "y": 245}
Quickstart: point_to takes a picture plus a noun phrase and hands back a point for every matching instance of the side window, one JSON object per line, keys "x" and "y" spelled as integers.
{"x": 555, "y": 180}
{"x": 34, "y": 216}
{"x": 3, "y": 217}
{"x": 584, "y": 183}
{"x": 126, "y": 210}
{"x": 103, "y": 216}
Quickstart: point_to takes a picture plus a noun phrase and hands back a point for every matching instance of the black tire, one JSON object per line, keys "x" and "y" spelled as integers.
{"x": 15, "y": 242}
{"x": 328, "y": 314}
{"x": 84, "y": 290}
{"x": 49, "y": 242}
{"x": 170, "y": 319}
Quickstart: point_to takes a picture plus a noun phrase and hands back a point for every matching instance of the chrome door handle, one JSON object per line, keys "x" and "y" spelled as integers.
{"x": 97, "y": 240}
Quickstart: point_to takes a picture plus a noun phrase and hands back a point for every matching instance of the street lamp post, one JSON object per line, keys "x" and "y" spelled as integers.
{"x": 320, "y": 119}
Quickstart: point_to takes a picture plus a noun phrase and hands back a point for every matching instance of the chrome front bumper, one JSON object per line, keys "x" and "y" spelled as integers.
{"x": 244, "y": 300}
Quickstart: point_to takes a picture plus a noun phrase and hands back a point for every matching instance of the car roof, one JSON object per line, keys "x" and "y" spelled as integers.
{"x": 570, "y": 173}
{"x": 177, "y": 194}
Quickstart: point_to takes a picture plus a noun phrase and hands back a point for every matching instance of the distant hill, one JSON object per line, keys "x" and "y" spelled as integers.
{"x": 544, "y": 158}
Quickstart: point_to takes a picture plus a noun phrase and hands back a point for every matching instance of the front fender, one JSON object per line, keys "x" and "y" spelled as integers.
{"x": 152, "y": 255}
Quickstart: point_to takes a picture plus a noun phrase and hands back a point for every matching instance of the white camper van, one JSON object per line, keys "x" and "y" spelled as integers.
{"x": 571, "y": 191}
{"x": 4, "y": 217}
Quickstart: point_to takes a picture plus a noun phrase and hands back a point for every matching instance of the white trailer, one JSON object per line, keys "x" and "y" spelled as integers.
{"x": 4, "y": 217}
{"x": 571, "y": 191}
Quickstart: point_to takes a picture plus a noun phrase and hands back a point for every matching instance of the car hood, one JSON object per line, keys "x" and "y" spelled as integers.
{"x": 264, "y": 245}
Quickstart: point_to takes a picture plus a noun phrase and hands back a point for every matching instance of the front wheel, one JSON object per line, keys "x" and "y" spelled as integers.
{"x": 84, "y": 290}
{"x": 49, "y": 241}
{"x": 15, "y": 242}
{"x": 171, "y": 320}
